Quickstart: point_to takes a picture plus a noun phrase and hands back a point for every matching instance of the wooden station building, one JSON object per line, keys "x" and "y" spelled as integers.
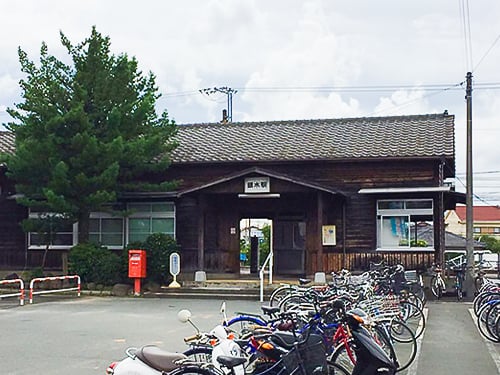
{"x": 339, "y": 193}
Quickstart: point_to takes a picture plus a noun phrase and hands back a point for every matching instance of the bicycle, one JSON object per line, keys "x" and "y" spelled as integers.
{"x": 438, "y": 286}
{"x": 459, "y": 282}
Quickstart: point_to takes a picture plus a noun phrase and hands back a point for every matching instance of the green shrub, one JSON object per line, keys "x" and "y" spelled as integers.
{"x": 95, "y": 263}
{"x": 158, "y": 248}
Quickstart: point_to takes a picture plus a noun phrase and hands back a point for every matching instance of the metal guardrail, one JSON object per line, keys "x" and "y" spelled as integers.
{"x": 53, "y": 278}
{"x": 19, "y": 294}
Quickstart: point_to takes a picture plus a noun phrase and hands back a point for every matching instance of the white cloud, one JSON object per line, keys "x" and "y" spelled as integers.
{"x": 250, "y": 44}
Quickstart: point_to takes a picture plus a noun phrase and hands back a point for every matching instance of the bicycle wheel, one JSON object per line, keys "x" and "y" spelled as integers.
{"x": 482, "y": 320}
{"x": 243, "y": 326}
{"x": 336, "y": 369}
{"x": 403, "y": 342}
{"x": 435, "y": 287}
{"x": 483, "y": 298}
{"x": 492, "y": 319}
{"x": 410, "y": 296}
{"x": 398, "y": 341}
{"x": 343, "y": 357}
{"x": 459, "y": 288}
{"x": 413, "y": 316}
{"x": 295, "y": 303}
{"x": 279, "y": 293}
{"x": 478, "y": 284}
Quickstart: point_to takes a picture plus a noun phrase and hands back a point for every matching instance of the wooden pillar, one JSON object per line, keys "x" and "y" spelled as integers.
{"x": 319, "y": 233}
{"x": 201, "y": 232}
{"x": 441, "y": 229}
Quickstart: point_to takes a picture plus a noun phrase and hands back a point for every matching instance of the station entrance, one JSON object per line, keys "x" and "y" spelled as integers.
{"x": 286, "y": 237}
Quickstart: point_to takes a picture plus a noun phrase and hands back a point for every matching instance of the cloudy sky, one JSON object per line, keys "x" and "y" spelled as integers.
{"x": 291, "y": 59}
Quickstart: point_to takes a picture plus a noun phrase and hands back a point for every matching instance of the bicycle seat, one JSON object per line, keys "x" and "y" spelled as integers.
{"x": 304, "y": 281}
{"x": 230, "y": 362}
{"x": 284, "y": 339}
{"x": 270, "y": 310}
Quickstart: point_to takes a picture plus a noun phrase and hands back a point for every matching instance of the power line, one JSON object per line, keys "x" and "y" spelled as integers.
{"x": 227, "y": 116}
{"x": 488, "y": 51}
{"x": 465, "y": 18}
{"x": 360, "y": 89}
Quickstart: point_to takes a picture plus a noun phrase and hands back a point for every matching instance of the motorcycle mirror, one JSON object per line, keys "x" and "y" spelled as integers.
{"x": 184, "y": 316}
{"x": 223, "y": 311}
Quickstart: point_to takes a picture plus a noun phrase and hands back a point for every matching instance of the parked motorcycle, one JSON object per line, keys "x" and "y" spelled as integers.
{"x": 152, "y": 360}
{"x": 370, "y": 357}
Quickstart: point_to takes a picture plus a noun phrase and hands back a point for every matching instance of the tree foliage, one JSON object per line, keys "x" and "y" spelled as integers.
{"x": 491, "y": 243}
{"x": 86, "y": 131}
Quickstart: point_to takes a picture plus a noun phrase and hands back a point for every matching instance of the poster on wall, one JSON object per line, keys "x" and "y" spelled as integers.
{"x": 329, "y": 235}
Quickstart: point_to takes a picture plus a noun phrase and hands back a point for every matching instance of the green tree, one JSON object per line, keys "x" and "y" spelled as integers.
{"x": 264, "y": 245}
{"x": 86, "y": 131}
{"x": 491, "y": 243}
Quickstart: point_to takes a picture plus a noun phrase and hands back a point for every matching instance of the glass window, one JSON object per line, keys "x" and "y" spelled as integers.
{"x": 149, "y": 218}
{"x": 63, "y": 238}
{"x": 394, "y": 231}
{"x": 106, "y": 230}
{"x": 417, "y": 204}
{"x": 404, "y": 224}
{"x": 390, "y": 205}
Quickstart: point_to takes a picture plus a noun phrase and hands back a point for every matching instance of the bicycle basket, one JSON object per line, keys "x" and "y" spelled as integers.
{"x": 307, "y": 358}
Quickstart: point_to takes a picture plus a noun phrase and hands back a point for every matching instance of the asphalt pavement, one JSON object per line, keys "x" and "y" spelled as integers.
{"x": 81, "y": 336}
{"x": 452, "y": 344}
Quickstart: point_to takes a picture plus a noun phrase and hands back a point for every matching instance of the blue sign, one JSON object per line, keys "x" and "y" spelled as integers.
{"x": 175, "y": 264}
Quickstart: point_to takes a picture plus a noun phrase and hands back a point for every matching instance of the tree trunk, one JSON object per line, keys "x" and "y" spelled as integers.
{"x": 83, "y": 226}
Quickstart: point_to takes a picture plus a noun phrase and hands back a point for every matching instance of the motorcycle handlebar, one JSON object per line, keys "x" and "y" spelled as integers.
{"x": 191, "y": 338}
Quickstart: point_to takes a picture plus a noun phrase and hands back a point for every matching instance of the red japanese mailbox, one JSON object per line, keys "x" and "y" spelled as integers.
{"x": 137, "y": 268}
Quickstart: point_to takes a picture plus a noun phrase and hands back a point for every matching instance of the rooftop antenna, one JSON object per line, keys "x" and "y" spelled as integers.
{"x": 228, "y": 116}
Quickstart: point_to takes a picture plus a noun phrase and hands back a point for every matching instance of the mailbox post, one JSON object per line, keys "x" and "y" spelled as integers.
{"x": 137, "y": 268}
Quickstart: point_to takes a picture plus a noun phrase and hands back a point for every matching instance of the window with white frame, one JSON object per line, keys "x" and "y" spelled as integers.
{"x": 60, "y": 235}
{"x": 401, "y": 224}
{"x": 106, "y": 230}
{"x": 149, "y": 218}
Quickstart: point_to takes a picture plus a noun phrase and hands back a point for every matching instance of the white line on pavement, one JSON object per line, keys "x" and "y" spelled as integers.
{"x": 412, "y": 370}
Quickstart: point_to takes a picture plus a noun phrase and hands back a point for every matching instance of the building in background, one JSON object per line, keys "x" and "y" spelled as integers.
{"x": 486, "y": 221}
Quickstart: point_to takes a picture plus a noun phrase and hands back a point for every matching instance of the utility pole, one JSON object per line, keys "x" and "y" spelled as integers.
{"x": 228, "y": 116}
{"x": 469, "y": 212}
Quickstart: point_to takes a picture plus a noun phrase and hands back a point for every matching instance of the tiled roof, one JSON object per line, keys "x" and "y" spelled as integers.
{"x": 451, "y": 240}
{"x": 332, "y": 139}
{"x": 7, "y": 144}
{"x": 480, "y": 213}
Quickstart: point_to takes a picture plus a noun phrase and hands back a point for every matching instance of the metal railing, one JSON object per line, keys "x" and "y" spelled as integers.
{"x": 19, "y": 294}
{"x": 269, "y": 263}
{"x": 53, "y": 278}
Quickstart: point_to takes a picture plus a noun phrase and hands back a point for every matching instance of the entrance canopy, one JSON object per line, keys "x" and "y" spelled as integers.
{"x": 262, "y": 190}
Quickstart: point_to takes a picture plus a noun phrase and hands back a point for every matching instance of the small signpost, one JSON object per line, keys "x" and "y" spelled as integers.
{"x": 175, "y": 268}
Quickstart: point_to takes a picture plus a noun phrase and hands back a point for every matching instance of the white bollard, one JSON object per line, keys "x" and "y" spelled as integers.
{"x": 200, "y": 276}
{"x": 320, "y": 278}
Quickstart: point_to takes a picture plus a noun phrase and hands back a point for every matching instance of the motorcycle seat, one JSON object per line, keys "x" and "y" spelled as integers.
{"x": 159, "y": 359}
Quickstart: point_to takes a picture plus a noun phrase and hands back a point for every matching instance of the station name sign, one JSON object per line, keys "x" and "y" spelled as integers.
{"x": 257, "y": 185}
